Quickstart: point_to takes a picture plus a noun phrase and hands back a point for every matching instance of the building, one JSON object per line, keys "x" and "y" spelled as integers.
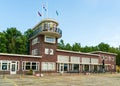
{"x": 46, "y": 58}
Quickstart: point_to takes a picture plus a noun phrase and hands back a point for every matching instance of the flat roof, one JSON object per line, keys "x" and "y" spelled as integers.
{"x": 20, "y": 55}
{"x": 103, "y": 52}
{"x": 77, "y": 52}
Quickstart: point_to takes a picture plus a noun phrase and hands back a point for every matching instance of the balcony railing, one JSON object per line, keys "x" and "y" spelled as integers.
{"x": 39, "y": 30}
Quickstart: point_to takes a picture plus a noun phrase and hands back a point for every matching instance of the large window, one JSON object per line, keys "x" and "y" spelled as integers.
{"x": 50, "y": 39}
{"x": 30, "y": 65}
{"x": 48, "y": 66}
{"x": 6, "y": 65}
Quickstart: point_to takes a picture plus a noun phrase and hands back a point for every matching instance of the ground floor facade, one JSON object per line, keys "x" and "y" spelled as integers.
{"x": 64, "y": 62}
{"x": 13, "y": 67}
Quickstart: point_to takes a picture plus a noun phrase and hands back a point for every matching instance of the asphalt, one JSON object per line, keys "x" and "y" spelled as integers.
{"x": 61, "y": 80}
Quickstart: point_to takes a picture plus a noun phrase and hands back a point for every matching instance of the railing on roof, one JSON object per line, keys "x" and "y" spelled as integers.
{"x": 40, "y": 29}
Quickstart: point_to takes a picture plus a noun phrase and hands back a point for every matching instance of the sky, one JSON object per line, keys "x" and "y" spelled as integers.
{"x": 88, "y": 22}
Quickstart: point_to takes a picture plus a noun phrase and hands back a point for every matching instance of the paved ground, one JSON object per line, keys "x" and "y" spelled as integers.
{"x": 64, "y": 80}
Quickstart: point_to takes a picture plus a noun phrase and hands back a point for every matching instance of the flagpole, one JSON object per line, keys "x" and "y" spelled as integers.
{"x": 42, "y": 12}
{"x": 47, "y": 9}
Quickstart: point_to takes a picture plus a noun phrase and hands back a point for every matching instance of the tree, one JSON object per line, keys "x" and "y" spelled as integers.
{"x": 13, "y": 37}
{"x": 87, "y": 49}
{"x": 76, "y": 47}
{"x": 68, "y": 47}
{"x": 61, "y": 44}
{"x": 103, "y": 47}
{"x": 26, "y": 40}
{"x": 2, "y": 43}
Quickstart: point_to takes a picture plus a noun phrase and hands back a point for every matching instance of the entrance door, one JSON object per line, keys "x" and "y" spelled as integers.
{"x": 13, "y": 68}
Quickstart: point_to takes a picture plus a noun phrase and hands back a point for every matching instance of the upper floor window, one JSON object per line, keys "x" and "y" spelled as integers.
{"x": 49, "y": 51}
{"x": 35, "y": 52}
{"x": 50, "y": 39}
{"x": 34, "y": 41}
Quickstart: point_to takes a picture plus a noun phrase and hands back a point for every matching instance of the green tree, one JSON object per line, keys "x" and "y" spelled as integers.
{"x": 12, "y": 36}
{"x": 76, "y": 47}
{"x": 61, "y": 44}
{"x": 2, "y": 43}
{"x": 103, "y": 47}
{"x": 87, "y": 49}
{"x": 68, "y": 47}
{"x": 26, "y": 40}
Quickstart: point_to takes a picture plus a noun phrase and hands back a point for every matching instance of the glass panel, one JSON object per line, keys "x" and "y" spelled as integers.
{"x": 50, "y": 39}
{"x": 34, "y": 67}
{"x": 65, "y": 67}
{"x": 34, "y": 63}
{"x": 27, "y": 63}
{"x": 13, "y": 67}
{"x": 4, "y": 66}
{"x": 76, "y": 66}
{"x": 27, "y": 67}
{"x": 86, "y": 68}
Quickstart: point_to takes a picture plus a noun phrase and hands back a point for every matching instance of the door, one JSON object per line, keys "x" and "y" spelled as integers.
{"x": 13, "y": 68}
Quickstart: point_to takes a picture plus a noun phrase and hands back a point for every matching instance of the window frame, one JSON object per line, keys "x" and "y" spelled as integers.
{"x": 51, "y": 38}
{"x": 31, "y": 65}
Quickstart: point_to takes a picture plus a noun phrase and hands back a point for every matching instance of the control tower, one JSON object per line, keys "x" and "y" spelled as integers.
{"x": 43, "y": 40}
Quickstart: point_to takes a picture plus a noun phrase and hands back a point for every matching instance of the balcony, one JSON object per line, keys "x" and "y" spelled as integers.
{"x": 55, "y": 32}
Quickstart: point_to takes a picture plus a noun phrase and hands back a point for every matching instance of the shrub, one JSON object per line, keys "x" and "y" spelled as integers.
{"x": 30, "y": 72}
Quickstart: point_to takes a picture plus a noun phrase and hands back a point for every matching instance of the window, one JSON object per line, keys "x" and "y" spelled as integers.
{"x": 50, "y": 39}
{"x": 27, "y": 66}
{"x": 34, "y": 41}
{"x": 35, "y": 52}
{"x": 49, "y": 51}
{"x": 48, "y": 66}
{"x": 6, "y": 65}
{"x": 62, "y": 58}
{"x": 46, "y": 51}
{"x": 30, "y": 65}
{"x": 112, "y": 58}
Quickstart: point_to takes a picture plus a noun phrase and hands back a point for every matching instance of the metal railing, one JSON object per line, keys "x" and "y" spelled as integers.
{"x": 37, "y": 31}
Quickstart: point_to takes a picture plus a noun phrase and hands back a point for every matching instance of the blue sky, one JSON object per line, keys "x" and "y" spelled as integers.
{"x": 88, "y": 22}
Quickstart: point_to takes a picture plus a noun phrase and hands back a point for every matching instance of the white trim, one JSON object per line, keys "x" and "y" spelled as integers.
{"x": 24, "y": 65}
{"x": 77, "y": 52}
{"x": 6, "y": 54}
{"x": 63, "y": 62}
{"x": 75, "y": 63}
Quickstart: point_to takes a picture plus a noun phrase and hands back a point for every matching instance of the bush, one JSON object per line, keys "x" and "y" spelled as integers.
{"x": 30, "y": 72}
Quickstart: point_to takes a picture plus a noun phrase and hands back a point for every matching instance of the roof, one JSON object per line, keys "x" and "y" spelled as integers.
{"x": 103, "y": 52}
{"x": 77, "y": 52}
{"x": 20, "y": 55}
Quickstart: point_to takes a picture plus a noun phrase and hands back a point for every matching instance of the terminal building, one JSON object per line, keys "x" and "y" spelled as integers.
{"x": 46, "y": 58}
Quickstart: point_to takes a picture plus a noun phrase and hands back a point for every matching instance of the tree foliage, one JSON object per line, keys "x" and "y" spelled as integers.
{"x": 12, "y": 41}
